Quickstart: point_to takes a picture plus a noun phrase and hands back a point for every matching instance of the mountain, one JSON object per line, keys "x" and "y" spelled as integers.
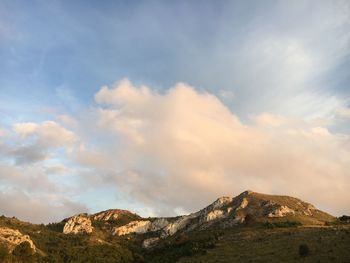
{"x": 213, "y": 234}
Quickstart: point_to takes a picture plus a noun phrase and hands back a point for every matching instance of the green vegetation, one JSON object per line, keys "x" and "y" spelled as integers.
{"x": 303, "y": 250}
{"x": 4, "y": 253}
{"x": 24, "y": 253}
{"x": 343, "y": 220}
{"x": 259, "y": 240}
{"x": 183, "y": 246}
{"x": 283, "y": 242}
{"x": 123, "y": 219}
{"x": 57, "y": 247}
{"x": 256, "y": 244}
{"x": 287, "y": 223}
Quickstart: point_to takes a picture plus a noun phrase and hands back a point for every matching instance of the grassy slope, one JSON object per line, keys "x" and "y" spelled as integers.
{"x": 318, "y": 217}
{"x": 254, "y": 243}
{"x": 257, "y": 241}
{"x": 326, "y": 244}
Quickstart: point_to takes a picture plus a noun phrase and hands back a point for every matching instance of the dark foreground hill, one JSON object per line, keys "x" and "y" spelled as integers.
{"x": 251, "y": 227}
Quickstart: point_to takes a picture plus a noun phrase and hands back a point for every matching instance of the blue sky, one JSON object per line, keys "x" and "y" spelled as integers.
{"x": 262, "y": 61}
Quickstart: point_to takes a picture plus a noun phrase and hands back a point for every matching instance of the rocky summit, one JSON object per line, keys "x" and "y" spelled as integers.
{"x": 118, "y": 235}
{"x": 227, "y": 210}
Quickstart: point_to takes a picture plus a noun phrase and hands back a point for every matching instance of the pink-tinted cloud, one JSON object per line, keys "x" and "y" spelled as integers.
{"x": 184, "y": 148}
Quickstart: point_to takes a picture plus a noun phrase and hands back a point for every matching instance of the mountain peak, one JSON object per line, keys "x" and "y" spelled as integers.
{"x": 225, "y": 210}
{"x": 111, "y": 214}
{"x": 247, "y": 192}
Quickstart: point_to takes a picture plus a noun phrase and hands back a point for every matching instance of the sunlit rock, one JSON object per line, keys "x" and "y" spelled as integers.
{"x": 78, "y": 224}
{"x": 138, "y": 227}
{"x": 13, "y": 237}
{"x": 150, "y": 242}
{"x": 281, "y": 211}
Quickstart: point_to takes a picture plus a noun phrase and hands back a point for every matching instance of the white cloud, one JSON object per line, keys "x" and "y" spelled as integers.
{"x": 343, "y": 112}
{"x": 269, "y": 119}
{"x": 184, "y": 145}
{"x": 48, "y": 133}
{"x": 67, "y": 121}
{"x": 30, "y": 162}
{"x": 37, "y": 209}
{"x": 170, "y": 152}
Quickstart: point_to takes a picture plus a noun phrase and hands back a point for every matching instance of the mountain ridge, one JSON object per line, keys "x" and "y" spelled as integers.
{"x": 230, "y": 210}
{"x": 127, "y": 237}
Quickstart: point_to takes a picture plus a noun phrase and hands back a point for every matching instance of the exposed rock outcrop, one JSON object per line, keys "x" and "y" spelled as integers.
{"x": 112, "y": 214}
{"x": 230, "y": 210}
{"x": 213, "y": 215}
{"x": 13, "y": 237}
{"x": 158, "y": 224}
{"x": 78, "y": 224}
{"x": 140, "y": 227}
{"x": 236, "y": 210}
{"x": 281, "y": 211}
{"x": 243, "y": 204}
{"x": 177, "y": 225}
{"x": 210, "y": 213}
{"x": 150, "y": 242}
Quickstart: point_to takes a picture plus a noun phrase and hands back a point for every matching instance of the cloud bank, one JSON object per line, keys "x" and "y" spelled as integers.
{"x": 183, "y": 148}
{"x": 166, "y": 153}
{"x": 32, "y": 160}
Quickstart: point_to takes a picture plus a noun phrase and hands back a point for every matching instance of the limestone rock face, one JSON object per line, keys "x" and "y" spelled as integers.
{"x": 225, "y": 211}
{"x": 158, "y": 224}
{"x": 281, "y": 211}
{"x": 112, "y": 214}
{"x": 177, "y": 225}
{"x": 243, "y": 204}
{"x": 215, "y": 214}
{"x": 13, "y": 237}
{"x": 139, "y": 227}
{"x": 310, "y": 209}
{"x": 78, "y": 224}
{"x": 219, "y": 203}
{"x": 150, "y": 242}
{"x": 210, "y": 213}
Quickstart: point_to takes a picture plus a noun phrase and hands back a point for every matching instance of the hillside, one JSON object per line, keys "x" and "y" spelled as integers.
{"x": 228, "y": 230}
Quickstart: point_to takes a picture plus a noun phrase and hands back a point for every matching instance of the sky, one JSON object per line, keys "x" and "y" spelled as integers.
{"x": 160, "y": 107}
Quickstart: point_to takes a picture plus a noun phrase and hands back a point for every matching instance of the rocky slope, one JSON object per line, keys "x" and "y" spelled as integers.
{"x": 228, "y": 211}
{"x": 78, "y": 224}
{"x": 12, "y": 238}
{"x": 82, "y": 223}
{"x": 122, "y": 236}
{"x": 232, "y": 211}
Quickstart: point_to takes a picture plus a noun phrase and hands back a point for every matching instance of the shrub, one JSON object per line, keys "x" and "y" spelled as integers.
{"x": 57, "y": 227}
{"x": 4, "y": 253}
{"x": 23, "y": 252}
{"x": 303, "y": 250}
{"x": 249, "y": 219}
{"x": 281, "y": 224}
{"x": 344, "y": 218}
